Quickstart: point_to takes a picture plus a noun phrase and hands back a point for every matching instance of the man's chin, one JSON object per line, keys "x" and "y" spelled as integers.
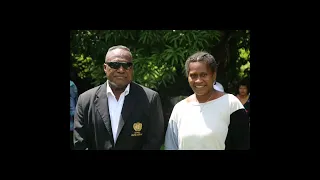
{"x": 119, "y": 85}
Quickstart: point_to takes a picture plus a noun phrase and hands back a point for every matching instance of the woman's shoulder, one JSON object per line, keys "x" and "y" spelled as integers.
{"x": 181, "y": 103}
{"x": 232, "y": 97}
{"x": 189, "y": 99}
{"x": 234, "y": 103}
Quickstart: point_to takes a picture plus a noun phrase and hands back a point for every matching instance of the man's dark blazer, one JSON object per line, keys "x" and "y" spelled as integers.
{"x": 141, "y": 125}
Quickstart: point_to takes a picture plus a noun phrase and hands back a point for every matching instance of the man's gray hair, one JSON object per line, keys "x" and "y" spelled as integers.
{"x": 201, "y": 56}
{"x": 118, "y": 47}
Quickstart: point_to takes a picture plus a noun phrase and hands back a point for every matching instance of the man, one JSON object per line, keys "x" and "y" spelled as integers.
{"x": 73, "y": 102}
{"x": 119, "y": 114}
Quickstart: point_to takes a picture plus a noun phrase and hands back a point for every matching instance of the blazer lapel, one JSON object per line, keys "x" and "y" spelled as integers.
{"x": 120, "y": 126}
{"x": 128, "y": 104}
{"x": 101, "y": 103}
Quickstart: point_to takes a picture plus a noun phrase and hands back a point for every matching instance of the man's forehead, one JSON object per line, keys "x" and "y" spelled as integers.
{"x": 119, "y": 54}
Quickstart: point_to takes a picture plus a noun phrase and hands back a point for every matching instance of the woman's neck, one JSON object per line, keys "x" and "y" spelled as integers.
{"x": 243, "y": 96}
{"x": 204, "y": 98}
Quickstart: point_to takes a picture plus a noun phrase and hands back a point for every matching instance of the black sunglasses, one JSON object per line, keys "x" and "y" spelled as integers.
{"x": 116, "y": 65}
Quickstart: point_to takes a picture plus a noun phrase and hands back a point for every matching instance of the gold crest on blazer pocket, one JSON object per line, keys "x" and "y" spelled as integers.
{"x": 137, "y": 127}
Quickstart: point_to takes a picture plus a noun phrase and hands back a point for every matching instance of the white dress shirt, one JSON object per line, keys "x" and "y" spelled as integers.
{"x": 115, "y": 108}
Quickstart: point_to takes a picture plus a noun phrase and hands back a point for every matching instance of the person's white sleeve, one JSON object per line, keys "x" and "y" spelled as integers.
{"x": 171, "y": 138}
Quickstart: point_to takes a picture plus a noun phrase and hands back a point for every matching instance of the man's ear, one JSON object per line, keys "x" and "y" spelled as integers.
{"x": 105, "y": 67}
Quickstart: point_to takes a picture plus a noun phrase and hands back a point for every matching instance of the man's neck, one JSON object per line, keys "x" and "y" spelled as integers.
{"x": 116, "y": 90}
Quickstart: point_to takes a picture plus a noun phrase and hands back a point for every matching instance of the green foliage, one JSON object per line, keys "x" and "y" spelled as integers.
{"x": 159, "y": 55}
{"x": 156, "y": 53}
{"x": 83, "y": 64}
{"x": 244, "y": 56}
{"x": 239, "y": 65}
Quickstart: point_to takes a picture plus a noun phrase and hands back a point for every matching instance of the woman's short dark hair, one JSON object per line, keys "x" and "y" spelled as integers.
{"x": 201, "y": 56}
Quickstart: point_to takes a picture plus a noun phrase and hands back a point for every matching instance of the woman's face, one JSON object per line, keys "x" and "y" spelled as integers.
{"x": 201, "y": 78}
{"x": 243, "y": 90}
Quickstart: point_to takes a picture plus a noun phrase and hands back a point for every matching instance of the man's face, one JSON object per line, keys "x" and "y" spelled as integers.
{"x": 119, "y": 76}
{"x": 200, "y": 78}
{"x": 243, "y": 90}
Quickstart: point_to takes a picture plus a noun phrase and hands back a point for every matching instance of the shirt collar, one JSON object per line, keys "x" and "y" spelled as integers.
{"x": 110, "y": 92}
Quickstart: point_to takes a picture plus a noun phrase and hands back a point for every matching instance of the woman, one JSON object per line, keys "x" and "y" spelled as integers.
{"x": 244, "y": 95}
{"x": 208, "y": 119}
